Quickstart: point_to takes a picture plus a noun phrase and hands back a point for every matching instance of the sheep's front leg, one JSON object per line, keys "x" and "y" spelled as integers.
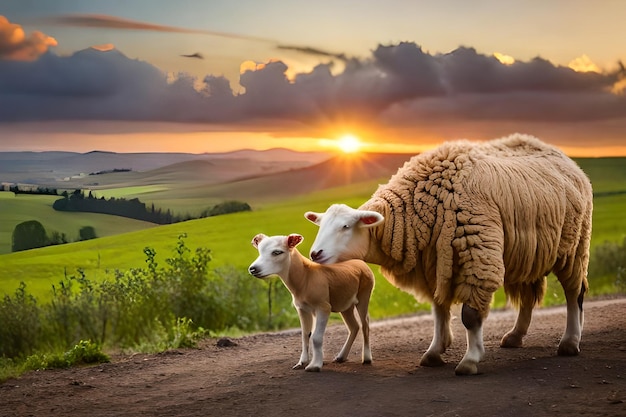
{"x": 353, "y": 329}
{"x": 321, "y": 320}
{"x": 306, "y": 323}
{"x": 473, "y": 322}
{"x": 442, "y": 337}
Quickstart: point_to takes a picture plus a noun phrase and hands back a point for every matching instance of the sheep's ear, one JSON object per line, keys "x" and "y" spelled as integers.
{"x": 313, "y": 217}
{"x": 370, "y": 218}
{"x": 294, "y": 240}
{"x": 257, "y": 239}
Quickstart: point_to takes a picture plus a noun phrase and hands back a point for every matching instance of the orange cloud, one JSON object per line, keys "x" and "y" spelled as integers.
{"x": 15, "y": 45}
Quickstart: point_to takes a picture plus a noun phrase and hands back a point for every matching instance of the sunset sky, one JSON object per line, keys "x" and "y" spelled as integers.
{"x": 402, "y": 76}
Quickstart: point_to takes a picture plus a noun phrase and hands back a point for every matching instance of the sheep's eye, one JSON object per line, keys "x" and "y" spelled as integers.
{"x": 277, "y": 252}
{"x": 345, "y": 227}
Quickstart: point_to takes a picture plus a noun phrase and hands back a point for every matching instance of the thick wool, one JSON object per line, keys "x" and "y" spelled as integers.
{"x": 467, "y": 218}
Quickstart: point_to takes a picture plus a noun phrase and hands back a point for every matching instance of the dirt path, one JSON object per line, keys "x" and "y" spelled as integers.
{"x": 255, "y": 377}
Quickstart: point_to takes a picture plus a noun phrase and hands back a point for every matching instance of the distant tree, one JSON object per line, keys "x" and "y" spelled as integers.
{"x": 57, "y": 238}
{"x": 228, "y": 207}
{"x": 28, "y": 235}
{"x": 87, "y": 233}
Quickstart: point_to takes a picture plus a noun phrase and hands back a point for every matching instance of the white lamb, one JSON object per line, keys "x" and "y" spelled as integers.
{"x": 318, "y": 290}
{"x": 458, "y": 222}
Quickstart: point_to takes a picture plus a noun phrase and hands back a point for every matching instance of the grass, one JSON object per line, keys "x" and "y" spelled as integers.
{"x": 228, "y": 237}
{"x": 15, "y": 209}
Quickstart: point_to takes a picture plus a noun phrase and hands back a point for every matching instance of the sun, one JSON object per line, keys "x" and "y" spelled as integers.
{"x": 349, "y": 143}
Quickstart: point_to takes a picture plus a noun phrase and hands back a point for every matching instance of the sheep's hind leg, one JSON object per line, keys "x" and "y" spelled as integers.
{"x": 442, "y": 337}
{"x": 473, "y": 322}
{"x": 353, "y": 329}
{"x": 569, "y": 345}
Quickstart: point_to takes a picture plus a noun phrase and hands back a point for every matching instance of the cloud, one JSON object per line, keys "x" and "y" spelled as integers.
{"x": 15, "y": 45}
{"x": 397, "y": 86}
{"x": 113, "y": 22}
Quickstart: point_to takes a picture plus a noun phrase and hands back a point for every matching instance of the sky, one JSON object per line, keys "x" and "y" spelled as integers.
{"x": 402, "y": 76}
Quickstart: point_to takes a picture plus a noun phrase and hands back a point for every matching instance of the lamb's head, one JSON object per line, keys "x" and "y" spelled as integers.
{"x": 274, "y": 254}
{"x": 343, "y": 233}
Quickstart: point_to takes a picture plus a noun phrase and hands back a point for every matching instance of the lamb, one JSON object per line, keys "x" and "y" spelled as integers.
{"x": 456, "y": 223}
{"x": 317, "y": 290}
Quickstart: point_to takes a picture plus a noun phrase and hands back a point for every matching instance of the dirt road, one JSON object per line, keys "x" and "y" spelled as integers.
{"x": 254, "y": 378}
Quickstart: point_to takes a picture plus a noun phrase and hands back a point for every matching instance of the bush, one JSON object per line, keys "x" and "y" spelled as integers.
{"x": 28, "y": 235}
{"x": 609, "y": 260}
{"x": 148, "y": 309}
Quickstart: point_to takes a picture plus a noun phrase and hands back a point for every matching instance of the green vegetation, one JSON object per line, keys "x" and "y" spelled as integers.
{"x": 95, "y": 276}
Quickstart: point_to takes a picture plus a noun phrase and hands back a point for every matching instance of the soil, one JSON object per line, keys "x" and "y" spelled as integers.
{"x": 252, "y": 376}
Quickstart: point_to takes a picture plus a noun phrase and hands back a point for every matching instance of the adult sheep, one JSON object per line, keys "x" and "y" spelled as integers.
{"x": 456, "y": 223}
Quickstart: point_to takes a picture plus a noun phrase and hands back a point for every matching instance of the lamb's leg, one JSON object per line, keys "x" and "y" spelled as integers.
{"x": 442, "y": 337}
{"x": 362, "y": 308}
{"x": 528, "y": 295}
{"x": 321, "y": 321}
{"x": 353, "y": 329}
{"x": 306, "y": 323}
{"x": 473, "y": 322}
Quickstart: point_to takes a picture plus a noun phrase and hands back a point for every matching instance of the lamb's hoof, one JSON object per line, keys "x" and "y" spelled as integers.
{"x": 511, "y": 340}
{"x": 466, "y": 368}
{"x": 313, "y": 368}
{"x": 339, "y": 360}
{"x": 432, "y": 360}
{"x": 299, "y": 365}
{"x": 568, "y": 349}
{"x": 367, "y": 362}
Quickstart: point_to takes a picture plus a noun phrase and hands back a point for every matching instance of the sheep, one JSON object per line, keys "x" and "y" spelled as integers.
{"x": 456, "y": 223}
{"x": 317, "y": 290}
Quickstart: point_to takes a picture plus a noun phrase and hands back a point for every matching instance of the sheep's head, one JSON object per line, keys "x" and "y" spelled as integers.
{"x": 343, "y": 233}
{"x": 274, "y": 254}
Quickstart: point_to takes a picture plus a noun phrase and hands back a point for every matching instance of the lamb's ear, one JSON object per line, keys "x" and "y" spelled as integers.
{"x": 370, "y": 218}
{"x": 294, "y": 240}
{"x": 257, "y": 239}
{"x": 313, "y": 217}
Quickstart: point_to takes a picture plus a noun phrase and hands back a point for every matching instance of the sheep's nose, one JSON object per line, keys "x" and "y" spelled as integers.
{"x": 316, "y": 255}
{"x": 253, "y": 269}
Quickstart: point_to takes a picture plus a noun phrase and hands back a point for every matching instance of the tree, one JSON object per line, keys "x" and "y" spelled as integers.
{"x": 28, "y": 235}
{"x": 87, "y": 233}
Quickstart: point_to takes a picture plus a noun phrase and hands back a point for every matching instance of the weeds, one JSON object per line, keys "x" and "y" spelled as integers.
{"x": 147, "y": 309}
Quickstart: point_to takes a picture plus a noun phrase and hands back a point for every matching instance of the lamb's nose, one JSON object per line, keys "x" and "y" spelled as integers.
{"x": 316, "y": 255}
{"x": 253, "y": 269}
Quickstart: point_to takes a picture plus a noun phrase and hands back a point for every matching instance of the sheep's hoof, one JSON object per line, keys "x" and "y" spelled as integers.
{"x": 432, "y": 360}
{"x": 339, "y": 359}
{"x": 511, "y": 340}
{"x": 313, "y": 368}
{"x": 466, "y": 368}
{"x": 299, "y": 365}
{"x": 367, "y": 362}
{"x": 568, "y": 349}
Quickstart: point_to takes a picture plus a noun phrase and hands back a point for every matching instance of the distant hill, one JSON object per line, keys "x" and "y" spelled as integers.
{"x": 337, "y": 171}
{"x": 65, "y": 169}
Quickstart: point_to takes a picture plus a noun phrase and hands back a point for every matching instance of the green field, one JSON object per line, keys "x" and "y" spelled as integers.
{"x": 228, "y": 236}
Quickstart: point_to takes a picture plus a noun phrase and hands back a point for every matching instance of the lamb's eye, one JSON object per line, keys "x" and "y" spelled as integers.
{"x": 345, "y": 227}
{"x": 277, "y": 252}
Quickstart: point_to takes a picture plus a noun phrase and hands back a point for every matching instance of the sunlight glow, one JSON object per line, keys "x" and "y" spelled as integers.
{"x": 583, "y": 64}
{"x": 349, "y": 143}
{"x": 504, "y": 59}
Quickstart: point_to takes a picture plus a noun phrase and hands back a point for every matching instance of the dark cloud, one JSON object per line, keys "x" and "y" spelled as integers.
{"x": 113, "y": 22}
{"x": 398, "y": 85}
{"x": 313, "y": 51}
{"x": 16, "y": 45}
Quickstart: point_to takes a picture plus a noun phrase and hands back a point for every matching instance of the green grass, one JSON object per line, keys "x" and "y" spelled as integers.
{"x": 15, "y": 209}
{"x": 228, "y": 237}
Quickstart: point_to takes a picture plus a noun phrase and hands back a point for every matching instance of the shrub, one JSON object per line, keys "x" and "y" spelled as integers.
{"x": 28, "y": 235}
{"x": 609, "y": 260}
